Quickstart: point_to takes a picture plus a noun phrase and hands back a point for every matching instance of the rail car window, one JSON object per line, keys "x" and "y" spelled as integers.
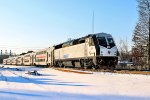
{"x": 75, "y": 42}
{"x": 111, "y": 42}
{"x": 40, "y": 60}
{"x": 58, "y": 46}
{"x": 27, "y": 56}
{"x": 26, "y": 60}
{"x": 102, "y": 41}
{"x": 41, "y": 52}
{"x": 81, "y": 41}
{"x": 67, "y": 44}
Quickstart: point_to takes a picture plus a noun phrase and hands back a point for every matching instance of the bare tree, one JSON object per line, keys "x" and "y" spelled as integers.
{"x": 124, "y": 51}
{"x": 141, "y": 35}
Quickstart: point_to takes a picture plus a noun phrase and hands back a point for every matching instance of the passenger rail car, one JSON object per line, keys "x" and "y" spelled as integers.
{"x": 14, "y": 61}
{"x": 28, "y": 59}
{"x": 19, "y": 60}
{"x": 44, "y": 57}
{"x": 9, "y": 61}
{"x": 41, "y": 57}
{"x": 4, "y": 61}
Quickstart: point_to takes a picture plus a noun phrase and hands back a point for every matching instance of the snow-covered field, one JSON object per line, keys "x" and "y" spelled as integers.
{"x": 57, "y": 85}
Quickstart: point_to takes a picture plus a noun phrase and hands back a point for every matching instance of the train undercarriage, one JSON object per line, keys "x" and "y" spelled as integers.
{"x": 89, "y": 63}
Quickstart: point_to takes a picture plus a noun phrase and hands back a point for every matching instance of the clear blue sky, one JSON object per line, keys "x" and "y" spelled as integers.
{"x": 36, "y": 24}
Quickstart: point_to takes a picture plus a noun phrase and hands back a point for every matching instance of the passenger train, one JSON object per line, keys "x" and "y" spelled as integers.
{"x": 91, "y": 51}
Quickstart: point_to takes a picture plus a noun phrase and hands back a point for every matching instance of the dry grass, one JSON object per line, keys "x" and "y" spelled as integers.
{"x": 133, "y": 72}
{"x": 115, "y": 71}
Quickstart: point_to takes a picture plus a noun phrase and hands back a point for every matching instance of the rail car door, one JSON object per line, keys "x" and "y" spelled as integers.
{"x": 32, "y": 59}
{"x": 52, "y": 57}
{"x": 47, "y": 57}
{"x": 86, "y": 48}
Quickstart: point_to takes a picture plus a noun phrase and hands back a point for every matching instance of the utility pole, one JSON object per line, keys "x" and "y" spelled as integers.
{"x": 149, "y": 45}
{"x": 93, "y": 23}
{"x": 148, "y": 5}
{"x": 10, "y": 53}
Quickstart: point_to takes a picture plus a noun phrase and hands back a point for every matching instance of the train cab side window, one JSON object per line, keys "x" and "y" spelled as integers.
{"x": 91, "y": 43}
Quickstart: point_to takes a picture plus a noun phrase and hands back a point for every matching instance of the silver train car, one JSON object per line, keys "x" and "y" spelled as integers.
{"x": 92, "y": 51}
{"x": 5, "y": 61}
{"x": 19, "y": 60}
{"x": 44, "y": 57}
{"x": 28, "y": 59}
{"x": 9, "y": 61}
{"x": 14, "y": 61}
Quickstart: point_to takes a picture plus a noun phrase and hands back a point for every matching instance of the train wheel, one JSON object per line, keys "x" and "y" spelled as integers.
{"x": 94, "y": 67}
{"x": 57, "y": 64}
{"x": 82, "y": 63}
{"x": 86, "y": 64}
{"x": 61, "y": 65}
{"x": 73, "y": 64}
{"x": 112, "y": 68}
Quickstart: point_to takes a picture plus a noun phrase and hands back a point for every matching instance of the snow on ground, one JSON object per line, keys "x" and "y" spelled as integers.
{"x": 57, "y": 85}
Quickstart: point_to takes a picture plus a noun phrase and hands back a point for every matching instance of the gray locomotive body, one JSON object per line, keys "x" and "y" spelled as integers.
{"x": 92, "y": 51}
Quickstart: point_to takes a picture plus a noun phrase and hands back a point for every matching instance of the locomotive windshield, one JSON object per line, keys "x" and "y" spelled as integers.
{"x": 110, "y": 42}
{"x": 102, "y": 41}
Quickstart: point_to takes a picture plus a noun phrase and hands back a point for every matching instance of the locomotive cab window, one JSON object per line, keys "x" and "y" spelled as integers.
{"x": 111, "y": 42}
{"x": 102, "y": 41}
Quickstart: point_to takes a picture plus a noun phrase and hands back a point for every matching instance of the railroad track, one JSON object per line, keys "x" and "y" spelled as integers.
{"x": 71, "y": 70}
{"x": 90, "y": 71}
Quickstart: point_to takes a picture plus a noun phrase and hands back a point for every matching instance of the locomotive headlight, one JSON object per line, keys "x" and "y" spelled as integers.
{"x": 108, "y": 47}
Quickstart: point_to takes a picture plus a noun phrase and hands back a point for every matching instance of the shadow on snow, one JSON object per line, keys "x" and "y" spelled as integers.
{"x": 43, "y": 81}
{"x": 38, "y": 95}
{"x": 19, "y": 93}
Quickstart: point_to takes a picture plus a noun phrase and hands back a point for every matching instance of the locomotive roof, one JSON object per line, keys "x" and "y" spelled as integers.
{"x": 89, "y": 35}
{"x": 102, "y": 35}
